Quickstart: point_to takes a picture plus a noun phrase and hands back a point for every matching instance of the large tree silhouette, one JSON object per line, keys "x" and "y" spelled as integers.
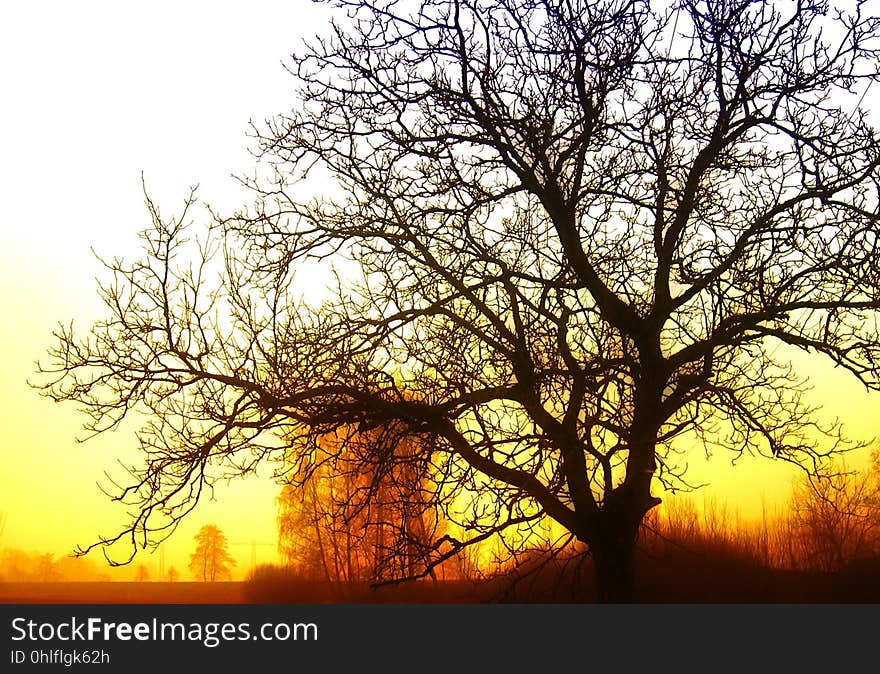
{"x": 572, "y": 232}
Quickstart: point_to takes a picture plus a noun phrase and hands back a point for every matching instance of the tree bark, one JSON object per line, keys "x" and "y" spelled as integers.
{"x": 614, "y": 533}
{"x": 613, "y": 550}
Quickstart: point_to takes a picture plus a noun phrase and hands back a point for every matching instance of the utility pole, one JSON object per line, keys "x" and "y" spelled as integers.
{"x": 253, "y": 543}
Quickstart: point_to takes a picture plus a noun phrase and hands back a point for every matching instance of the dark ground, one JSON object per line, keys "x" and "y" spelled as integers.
{"x": 688, "y": 578}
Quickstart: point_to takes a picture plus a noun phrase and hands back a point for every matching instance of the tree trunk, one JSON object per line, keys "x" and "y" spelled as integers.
{"x": 613, "y": 545}
{"x": 316, "y": 516}
{"x": 614, "y": 565}
{"x": 615, "y": 532}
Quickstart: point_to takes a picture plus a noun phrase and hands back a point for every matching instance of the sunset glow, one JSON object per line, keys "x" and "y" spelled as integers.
{"x": 96, "y": 97}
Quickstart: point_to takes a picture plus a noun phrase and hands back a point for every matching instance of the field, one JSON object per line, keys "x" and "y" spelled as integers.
{"x": 121, "y": 593}
{"x": 230, "y": 593}
{"x": 688, "y": 578}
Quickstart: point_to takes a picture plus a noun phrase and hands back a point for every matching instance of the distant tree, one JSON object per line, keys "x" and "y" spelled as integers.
{"x": 142, "y": 574}
{"x": 836, "y": 518}
{"x": 579, "y": 238}
{"x": 173, "y": 575}
{"x": 356, "y": 518}
{"x": 211, "y": 560}
{"x": 46, "y": 569}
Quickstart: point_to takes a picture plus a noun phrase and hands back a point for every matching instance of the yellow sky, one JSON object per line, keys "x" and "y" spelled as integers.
{"x": 95, "y": 93}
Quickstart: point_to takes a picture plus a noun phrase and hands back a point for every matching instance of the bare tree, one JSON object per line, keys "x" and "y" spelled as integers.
{"x": 587, "y": 237}
{"x": 211, "y": 560}
{"x": 359, "y": 519}
{"x": 836, "y": 518}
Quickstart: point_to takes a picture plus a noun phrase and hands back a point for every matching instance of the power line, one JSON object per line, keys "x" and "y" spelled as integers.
{"x": 253, "y": 543}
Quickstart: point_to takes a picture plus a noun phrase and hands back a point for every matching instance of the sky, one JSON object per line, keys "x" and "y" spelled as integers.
{"x": 95, "y": 94}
